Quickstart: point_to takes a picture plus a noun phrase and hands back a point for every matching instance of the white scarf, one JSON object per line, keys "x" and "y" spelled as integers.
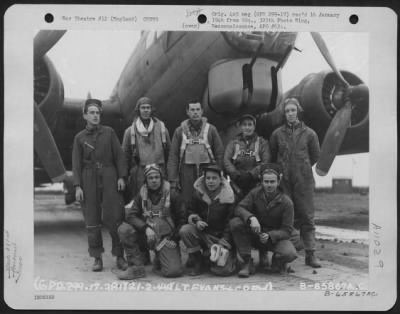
{"x": 142, "y": 129}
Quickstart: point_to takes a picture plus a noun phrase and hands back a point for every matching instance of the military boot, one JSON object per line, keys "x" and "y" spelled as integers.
{"x": 311, "y": 260}
{"x": 132, "y": 272}
{"x": 98, "y": 264}
{"x": 197, "y": 264}
{"x": 156, "y": 263}
{"x": 278, "y": 266}
{"x": 264, "y": 262}
{"x": 121, "y": 263}
{"x": 247, "y": 269}
{"x": 190, "y": 261}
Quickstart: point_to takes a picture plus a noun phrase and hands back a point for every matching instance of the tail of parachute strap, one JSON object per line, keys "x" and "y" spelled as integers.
{"x": 257, "y": 149}
{"x": 133, "y": 134}
{"x": 163, "y": 133}
{"x": 207, "y": 144}
{"x": 237, "y": 151}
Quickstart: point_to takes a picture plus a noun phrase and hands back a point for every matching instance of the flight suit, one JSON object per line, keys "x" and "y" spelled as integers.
{"x": 275, "y": 217}
{"x": 245, "y": 157}
{"x": 296, "y": 149}
{"x": 186, "y": 162}
{"x": 97, "y": 164}
{"x": 165, "y": 214}
{"x": 144, "y": 149}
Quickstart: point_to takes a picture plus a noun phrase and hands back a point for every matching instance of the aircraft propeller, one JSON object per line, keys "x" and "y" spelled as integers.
{"x": 344, "y": 102}
{"x": 44, "y": 143}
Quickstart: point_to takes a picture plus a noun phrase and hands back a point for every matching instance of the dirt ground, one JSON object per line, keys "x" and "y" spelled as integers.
{"x": 61, "y": 248}
{"x": 342, "y": 210}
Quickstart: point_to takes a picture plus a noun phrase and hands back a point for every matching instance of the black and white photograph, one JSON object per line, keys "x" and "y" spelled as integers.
{"x": 224, "y": 163}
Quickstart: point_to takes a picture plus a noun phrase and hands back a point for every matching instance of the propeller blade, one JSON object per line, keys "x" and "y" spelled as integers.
{"x": 46, "y": 148}
{"x": 46, "y": 39}
{"x": 319, "y": 41}
{"x": 333, "y": 139}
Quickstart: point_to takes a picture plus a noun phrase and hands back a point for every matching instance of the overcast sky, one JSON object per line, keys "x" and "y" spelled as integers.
{"x": 93, "y": 60}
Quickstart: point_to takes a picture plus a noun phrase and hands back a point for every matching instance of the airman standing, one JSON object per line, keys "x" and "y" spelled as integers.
{"x": 145, "y": 142}
{"x": 195, "y": 144}
{"x": 99, "y": 171}
{"x": 245, "y": 154}
{"x": 295, "y": 147}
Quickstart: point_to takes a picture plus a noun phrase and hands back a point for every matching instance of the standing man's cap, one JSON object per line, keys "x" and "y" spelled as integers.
{"x": 143, "y": 101}
{"x": 214, "y": 168}
{"x": 92, "y": 102}
{"x": 152, "y": 168}
{"x": 247, "y": 117}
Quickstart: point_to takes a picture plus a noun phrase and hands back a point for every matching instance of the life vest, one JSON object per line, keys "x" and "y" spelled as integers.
{"x": 162, "y": 209}
{"x": 196, "y": 149}
{"x": 158, "y": 216}
{"x": 243, "y": 152}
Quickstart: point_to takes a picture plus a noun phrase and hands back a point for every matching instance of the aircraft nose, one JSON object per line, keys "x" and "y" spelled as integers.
{"x": 275, "y": 43}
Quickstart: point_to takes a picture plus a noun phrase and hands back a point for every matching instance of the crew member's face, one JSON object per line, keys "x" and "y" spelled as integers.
{"x": 291, "y": 113}
{"x": 247, "y": 127}
{"x": 92, "y": 116}
{"x": 154, "y": 181}
{"x": 270, "y": 182}
{"x": 194, "y": 111}
{"x": 212, "y": 180}
{"x": 145, "y": 111}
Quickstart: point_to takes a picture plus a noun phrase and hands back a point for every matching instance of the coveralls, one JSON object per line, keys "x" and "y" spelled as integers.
{"x": 297, "y": 149}
{"x": 185, "y": 165}
{"x": 97, "y": 163}
{"x": 275, "y": 216}
{"x": 246, "y": 156}
{"x": 145, "y": 148}
{"x": 159, "y": 210}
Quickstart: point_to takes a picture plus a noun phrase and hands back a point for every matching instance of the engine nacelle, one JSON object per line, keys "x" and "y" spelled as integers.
{"x": 320, "y": 95}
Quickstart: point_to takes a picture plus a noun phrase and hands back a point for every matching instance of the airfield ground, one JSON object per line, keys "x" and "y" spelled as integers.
{"x": 61, "y": 247}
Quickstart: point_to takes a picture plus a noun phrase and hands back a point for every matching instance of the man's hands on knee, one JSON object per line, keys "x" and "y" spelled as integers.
{"x": 254, "y": 224}
{"x": 201, "y": 225}
{"x": 264, "y": 237}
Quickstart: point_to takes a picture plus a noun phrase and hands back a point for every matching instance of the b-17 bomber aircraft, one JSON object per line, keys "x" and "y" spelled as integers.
{"x": 232, "y": 73}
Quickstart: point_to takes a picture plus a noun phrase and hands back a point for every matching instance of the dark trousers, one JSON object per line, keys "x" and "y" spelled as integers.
{"x": 132, "y": 239}
{"x": 301, "y": 193}
{"x": 244, "y": 239}
{"x": 102, "y": 205}
{"x": 194, "y": 239}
